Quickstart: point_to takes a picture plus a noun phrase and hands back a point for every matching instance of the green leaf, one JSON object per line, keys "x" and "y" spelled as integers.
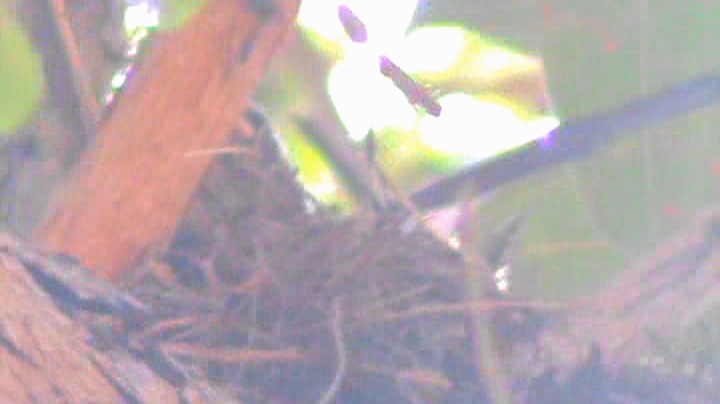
{"x": 21, "y": 75}
{"x": 175, "y": 13}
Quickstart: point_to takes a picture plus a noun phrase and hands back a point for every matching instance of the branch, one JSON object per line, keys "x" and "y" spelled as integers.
{"x": 66, "y": 71}
{"x": 572, "y": 141}
{"x": 190, "y": 92}
{"x": 661, "y": 297}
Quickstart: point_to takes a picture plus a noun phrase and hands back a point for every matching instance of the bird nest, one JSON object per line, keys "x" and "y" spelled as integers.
{"x": 276, "y": 298}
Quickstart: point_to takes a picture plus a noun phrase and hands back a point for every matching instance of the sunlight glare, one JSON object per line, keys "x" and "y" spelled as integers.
{"x": 454, "y": 242}
{"x": 365, "y": 99}
{"x": 480, "y": 129}
{"x": 502, "y": 279}
{"x": 496, "y": 61}
{"x": 118, "y": 80}
{"x": 431, "y": 49}
{"x": 141, "y": 15}
{"x": 324, "y": 188}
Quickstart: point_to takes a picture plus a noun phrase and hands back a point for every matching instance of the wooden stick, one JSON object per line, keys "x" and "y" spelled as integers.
{"x": 129, "y": 191}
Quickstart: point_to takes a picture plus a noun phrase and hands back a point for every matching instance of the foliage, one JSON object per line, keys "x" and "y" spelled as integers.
{"x": 585, "y": 221}
{"x": 21, "y": 74}
{"x": 175, "y": 13}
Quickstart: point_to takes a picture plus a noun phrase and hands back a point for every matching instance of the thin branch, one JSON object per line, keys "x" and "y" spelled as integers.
{"x": 574, "y": 140}
{"x": 467, "y": 307}
{"x": 419, "y": 376}
{"x": 336, "y": 326}
{"x": 482, "y": 334}
{"x": 82, "y": 102}
{"x": 230, "y": 355}
{"x": 661, "y": 296}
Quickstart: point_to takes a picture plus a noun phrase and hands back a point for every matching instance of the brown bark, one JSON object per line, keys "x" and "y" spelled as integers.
{"x": 45, "y": 353}
{"x": 191, "y": 90}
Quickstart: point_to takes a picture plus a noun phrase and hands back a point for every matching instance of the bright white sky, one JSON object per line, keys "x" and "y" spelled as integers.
{"x": 365, "y": 99}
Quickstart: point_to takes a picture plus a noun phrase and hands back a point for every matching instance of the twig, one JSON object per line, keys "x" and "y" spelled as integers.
{"x": 82, "y": 99}
{"x": 240, "y": 151}
{"x": 420, "y": 376}
{"x": 164, "y": 327}
{"x": 468, "y": 307}
{"x": 230, "y": 355}
{"x": 400, "y": 297}
{"x": 571, "y": 141}
{"x": 487, "y": 360}
{"x": 336, "y": 326}
{"x": 347, "y": 160}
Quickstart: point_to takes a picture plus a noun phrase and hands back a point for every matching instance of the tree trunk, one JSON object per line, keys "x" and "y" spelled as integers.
{"x": 46, "y": 353}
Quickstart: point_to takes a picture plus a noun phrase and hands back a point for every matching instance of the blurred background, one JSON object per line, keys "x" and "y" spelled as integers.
{"x": 506, "y": 73}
